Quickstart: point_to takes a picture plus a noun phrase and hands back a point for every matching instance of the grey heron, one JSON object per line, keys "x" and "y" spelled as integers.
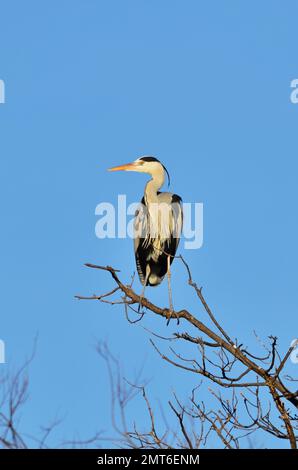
{"x": 157, "y": 225}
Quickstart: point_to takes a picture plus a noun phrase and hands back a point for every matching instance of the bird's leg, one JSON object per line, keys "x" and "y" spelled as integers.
{"x": 141, "y": 299}
{"x": 144, "y": 287}
{"x": 171, "y": 309}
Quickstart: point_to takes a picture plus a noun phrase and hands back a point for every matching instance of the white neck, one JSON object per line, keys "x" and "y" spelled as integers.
{"x": 153, "y": 186}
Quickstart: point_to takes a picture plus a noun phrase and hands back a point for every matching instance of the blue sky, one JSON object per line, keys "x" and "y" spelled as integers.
{"x": 205, "y": 87}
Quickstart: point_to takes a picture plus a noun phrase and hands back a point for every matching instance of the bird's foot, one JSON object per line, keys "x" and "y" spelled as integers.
{"x": 170, "y": 314}
{"x": 140, "y": 307}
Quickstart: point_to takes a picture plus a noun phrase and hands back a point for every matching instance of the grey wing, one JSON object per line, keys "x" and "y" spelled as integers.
{"x": 177, "y": 213}
{"x": 140, "y": 233}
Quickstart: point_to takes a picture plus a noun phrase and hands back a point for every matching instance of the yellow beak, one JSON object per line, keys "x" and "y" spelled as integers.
{"x": 127, "y": 166}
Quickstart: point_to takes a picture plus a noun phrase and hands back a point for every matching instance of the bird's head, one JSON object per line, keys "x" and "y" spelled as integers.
{"x": 145, "y": 164}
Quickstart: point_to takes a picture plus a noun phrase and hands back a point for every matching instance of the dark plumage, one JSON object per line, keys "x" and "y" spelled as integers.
{"x": 155, "y": 251}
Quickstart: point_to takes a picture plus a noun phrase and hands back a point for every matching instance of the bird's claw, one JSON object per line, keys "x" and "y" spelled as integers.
{"x": 170, "y": 314}
{"x": 140, "y": 307}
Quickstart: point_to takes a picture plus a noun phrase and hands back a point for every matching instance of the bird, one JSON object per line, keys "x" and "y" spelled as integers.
{"x": 157, "y": 225}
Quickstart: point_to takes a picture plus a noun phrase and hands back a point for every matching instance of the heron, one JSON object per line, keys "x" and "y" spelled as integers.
{"x": 157, "y": 225}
